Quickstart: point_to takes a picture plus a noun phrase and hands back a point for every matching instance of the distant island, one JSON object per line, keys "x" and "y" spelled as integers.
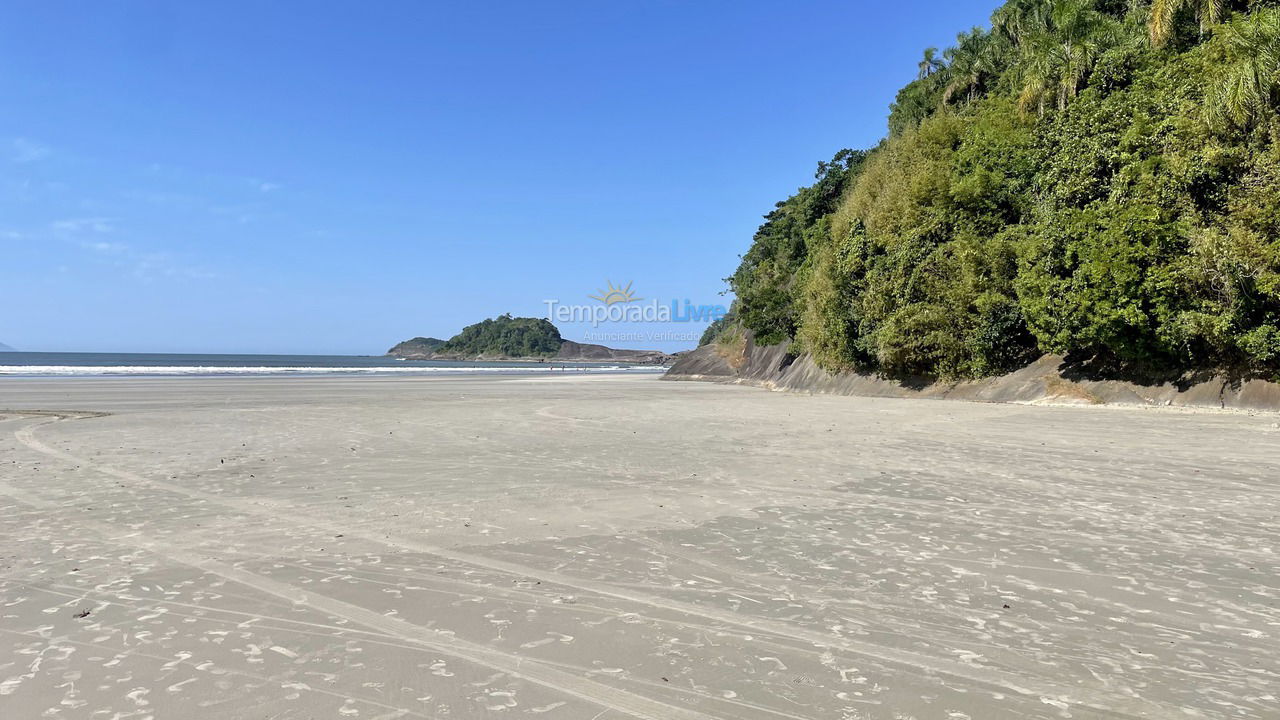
{"x": 416, "y": 347}
{"x": 518, "y": 338}
{"x": 6, "y": 348}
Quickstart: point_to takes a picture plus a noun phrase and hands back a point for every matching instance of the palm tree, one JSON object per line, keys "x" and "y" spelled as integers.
{"x": 1163, "y": 12}
{"x": 1084, "y": 35}
{"x": 968, "y": 63}
{"x": 1058, "y": 56}
{"x": 1037, "y": 70}
{"x": 930, "y": 64}
{"x": 1017, "y": 19}
{"x": 1249, "y": 82}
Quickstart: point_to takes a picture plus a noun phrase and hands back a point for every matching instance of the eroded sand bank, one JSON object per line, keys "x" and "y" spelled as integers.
{"x": 610, "y": 547}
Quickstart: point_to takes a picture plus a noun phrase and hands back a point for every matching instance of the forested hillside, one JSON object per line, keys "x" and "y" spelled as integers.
{"x": 506, "y": 336}
{"x": 1099, "y": 178}
{"x": 417, "y": 346}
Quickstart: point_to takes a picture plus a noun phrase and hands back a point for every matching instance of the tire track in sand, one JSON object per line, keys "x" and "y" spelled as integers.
{"x": 534, "y": 671}
{"x": 299, "y": 627}
{"x": 1095, "y": 699}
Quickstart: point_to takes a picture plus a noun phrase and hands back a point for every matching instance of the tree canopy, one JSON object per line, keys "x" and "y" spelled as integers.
{"x": 417, "y": 346}
{"x": 1096, "y": 177}
{"x": 506, "y": 336}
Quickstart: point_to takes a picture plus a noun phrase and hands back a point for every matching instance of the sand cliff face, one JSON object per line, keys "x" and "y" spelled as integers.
{"x": 1051, "y": 379}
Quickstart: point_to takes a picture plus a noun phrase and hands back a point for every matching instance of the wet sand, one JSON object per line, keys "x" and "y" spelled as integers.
{"x": 600, "y": 548}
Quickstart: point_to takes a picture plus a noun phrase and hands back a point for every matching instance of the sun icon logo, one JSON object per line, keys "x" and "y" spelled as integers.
{"x": 615, "y": 294}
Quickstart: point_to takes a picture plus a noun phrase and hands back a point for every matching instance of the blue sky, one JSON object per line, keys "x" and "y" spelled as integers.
{"x": 328, "y": 177}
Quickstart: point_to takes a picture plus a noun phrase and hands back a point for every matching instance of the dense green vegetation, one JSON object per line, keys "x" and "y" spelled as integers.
{"x": 713, "y": 330}
{"x": 1092, "y": 177}
{"x": 506, "y": 336}
{"x": 417, "y": 346}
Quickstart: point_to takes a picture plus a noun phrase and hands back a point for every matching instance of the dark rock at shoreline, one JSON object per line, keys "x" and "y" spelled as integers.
{"x": 570, "y": 351}
{"x": 584, "y": 352}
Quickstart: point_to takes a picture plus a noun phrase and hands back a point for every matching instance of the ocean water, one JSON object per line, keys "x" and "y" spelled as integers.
{"x": 40, "y": 364}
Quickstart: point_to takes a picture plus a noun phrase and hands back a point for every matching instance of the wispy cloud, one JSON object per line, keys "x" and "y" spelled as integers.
{"x": 143, "y": 264}
{"x": 83, "y": 225}
{"x": 241, "y": 213}
{"x": 23, "y": 150}
{"x": 110, "y": 248}
{"x": 264, "y": 186}
{"x": 151, "y": 265}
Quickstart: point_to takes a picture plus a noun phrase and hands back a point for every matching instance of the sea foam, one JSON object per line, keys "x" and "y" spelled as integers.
{"x": 100, "y": 370}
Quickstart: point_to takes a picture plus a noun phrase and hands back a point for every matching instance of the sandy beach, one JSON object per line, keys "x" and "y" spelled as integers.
{"x": 601, "y": 547}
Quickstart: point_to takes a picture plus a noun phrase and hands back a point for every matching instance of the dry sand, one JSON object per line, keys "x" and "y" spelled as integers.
{"x": 608, "y": 547}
